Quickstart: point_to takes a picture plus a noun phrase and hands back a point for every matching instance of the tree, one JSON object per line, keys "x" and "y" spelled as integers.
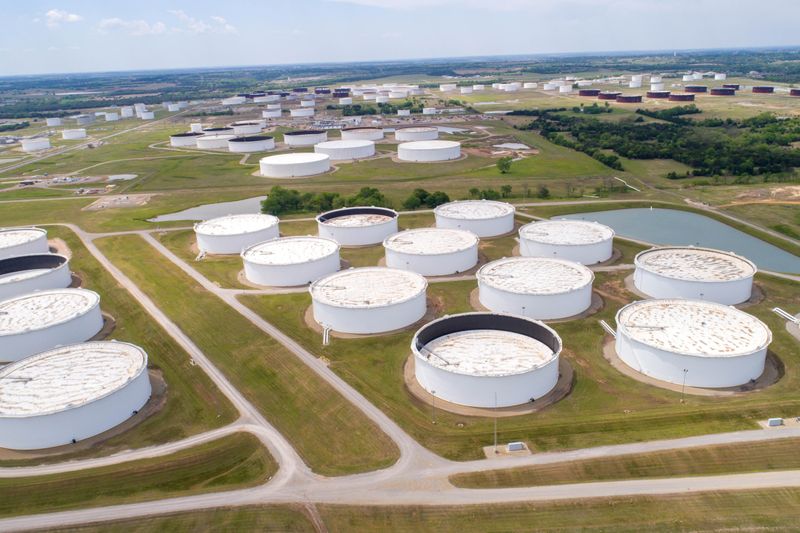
{"x": 474, "y": 192}
{"x": 490, "y": 194}
{"x": 411, "y": 203}
{"x": 543, "y": 192}
{"x": 504, "y": 164}
{"x": 436, "y": 198}
{"x": 505, "y": 190}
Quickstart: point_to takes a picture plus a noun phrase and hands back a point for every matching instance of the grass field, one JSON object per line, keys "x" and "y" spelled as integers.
{"x": 193, "y": 403}
{"x": 234, "y": 461}
{"x": 709, "y": 460}
{"x": 763, "y": 510}
{"x": 605, "y": 407}
{"x": 331, "y": 435}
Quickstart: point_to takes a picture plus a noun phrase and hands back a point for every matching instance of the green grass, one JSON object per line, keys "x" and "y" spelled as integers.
{"x": 234, "y": 461}
{"x": 220, "y": 269}
{"x": 605, "y": 407}
{"x": 193, "y": 403}
{"x": 331, "y": 435}
{"x": 709, "y": 460}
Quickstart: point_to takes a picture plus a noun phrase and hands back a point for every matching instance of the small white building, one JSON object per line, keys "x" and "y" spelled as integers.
{"x": 290, "y": 261}
{"x": 432, "y": 251}
{"x": 233, "y": 233}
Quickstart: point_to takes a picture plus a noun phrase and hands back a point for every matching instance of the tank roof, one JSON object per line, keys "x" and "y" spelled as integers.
{"x": 44, "y": 309}
{"x": 566, "y": 232}
{"x": 354, "y": 143}
{"x": 294, "y": 158}
{"x": 290, "y": 250}
{"x": 695, "y": 264}
{"x": 251, "y": 138}
{"x": 693, "y": 327}
{"x": 368, "y": 287}
{"x": 535, "y": 275}
{"x": 429, "y": 145}
{"x": 68, "y": 377}
{"x": 304, "y": 132}
{"x": 16, "y": 236}
{"x": 431, "y": 241}
{"x": 474, "y": 209}
{"x": 236, "y": 224}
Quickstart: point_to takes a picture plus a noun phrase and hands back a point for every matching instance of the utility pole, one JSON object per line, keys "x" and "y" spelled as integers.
{"x": 433, "y": 407}
{"x": 683, "y": 387}
{"x": 495, "y": 422}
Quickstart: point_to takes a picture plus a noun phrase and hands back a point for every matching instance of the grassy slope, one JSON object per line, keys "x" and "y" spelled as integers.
{"x": 333, "y": 437}
{"x": 234, "y": 461}
{"x": 709, "y": 460}
{"x": 193, "y": 403}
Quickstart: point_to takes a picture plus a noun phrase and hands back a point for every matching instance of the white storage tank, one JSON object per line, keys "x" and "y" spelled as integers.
{"x": 71, "y": 393}
{"x": 656, "y": 78}
{"x": 251, "y": 143}
{"x": 535, "y": 287}
{"x": 478, "y": 87}
{"x": 39, "y": 321}
{"x": 719, "y": 76}
{"x": 369, "y": 300}
{"x": 73, "y": 134}
{"x": 53, "y": 121}
{"x": 35, "y": 272}
{"x": 304, "y": 137}
{"x": 414, "y": 133}
{"x": 147, "y": 115}
{"x": 656, "y": 87}
{"x": 302, "y": 112}
{"x": 429, "y": 151}
{"x": 381, "y": 99}
{"x": 112, "y": 117}
{"x": 484, "y": 218}
{"x": 307, "y": 103}
{"x": 22, "y": 241}
{"x": 271, "y": 113}
{"x": 428, "y": 110}
{"x": 692, "y": 342}
{"x": 447, "y": 87}
{"x": 273, "y": 107}
{"x": 346, "y": 100}
{"x": 432, "y": 251}
{"x": 126, "y": 111}
{"x": 584, "y": 242}
{"x": 183, "y": 140}
{"x": 234, "y": 100}
{"x": 357, "y": 226}
{"x": 290, "y": 261}
{"x": 233, "y": 233}
{"x": 35, "y": 144}
{"x": 695, "y": 273}
{"x": 247, "y": 128}
{"x": 294, "y": 165}
{"x": 403, "y": 112}
{"x": 223, "y": 130}
{"x": 213, "y": 142}
{"x": 486, "y": 360}
{"x": 530, "y": 85}
{"x": 364, "y": 134}
{"x": 466, "y": 90}
{"x": 344, "y": 150}
{"x": 565, "y": 89}
{"x": 173, "y": 108}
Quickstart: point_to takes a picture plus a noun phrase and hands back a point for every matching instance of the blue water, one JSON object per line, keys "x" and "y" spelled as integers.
{"x": 206, "y": 211}
{"x": 669, "y": 226}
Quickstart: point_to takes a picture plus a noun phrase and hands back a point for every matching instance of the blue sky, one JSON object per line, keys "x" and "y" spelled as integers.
{"x": 83, "y": 36}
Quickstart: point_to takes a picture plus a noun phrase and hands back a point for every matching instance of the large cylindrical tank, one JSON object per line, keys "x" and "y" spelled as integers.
{"x": 429, "y": 151}
{"x": 233, "y": 233}
{"x": 36, "y": 144}
{"x": 73, "y": 134}
{"x": 251, "y": 143}
{"x": 294, "y": 165}
{"x": 484, "y": 218}
{"x": 415, "y": 133}
{"x": 183, "y": 140}
{"x": 304, "y": 137}
{"x": 290, "y": 261}
{"x": 365, "y": 134}
{"x": 22, "y": 274}
{"x": 22, "y": 241}
{"x": 584, "y": 242}
{"x": 343, "y": 150}
{"x": 357, "y": 226}
{"x": 432, "y": 251}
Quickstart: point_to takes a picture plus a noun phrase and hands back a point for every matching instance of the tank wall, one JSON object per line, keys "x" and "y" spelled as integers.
{"x": 178, "y": 142}
{"x": 711, "y": 372}
{"x": 479, "y": 391}
{"x": 36, "y": 246}
{"x": 439, "y": 154}
{"x": 56, "y": 278}
{"x": 588, "y": 254}
{"x": 362, "y": 135}
{"x": 79, "y": 329}
{"x": 374, "y": 320}
{"x": 294, "y": 170}
{"x": 537, "y": 306}
{"x": 234, "y": 244}
{"x": 291, "y": 275}
{"x": 247, "y": 129}
{"x": 482, "y": 228}
{"x": 57, "y": 429}
{"x": 434, "y": 265}
{"x": 305, "y": 140}
{"x": 426, "y": 135}
{"x": 254, "y": 146}
{"x": 212, "y": 143}
{"x": 724, "y": 292}
{"x": 358, "y": 236}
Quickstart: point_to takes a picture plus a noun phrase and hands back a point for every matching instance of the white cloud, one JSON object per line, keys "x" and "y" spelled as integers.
{"x": 194, "y": 25}
{"x": 132, "y": 27}
{"x": 55, "y": 17}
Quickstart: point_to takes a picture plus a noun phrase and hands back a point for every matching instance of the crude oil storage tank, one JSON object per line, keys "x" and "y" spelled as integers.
{"x": 251, "y": 143}
{"x": 290, "y": 261}
{"x": 36, "y": 272}
{"x": 53, "y": 122}
{"x": 233, "y": 233}
{"x": 699, "y": 343}
{"x": 304, "y": 137}
{"x": 182, "y": 140}
{"x": 432, "y": 251}
{"x": 362, "y": 134}
{"x": 73, "y": 134}
{"x": 221, "y": 130}
{"x": 416, "y": 133}
{"x": 794, "y": 92}
{"x": 428, "y": 151}
{"x": 343, "y": 150}
{"x": 35, "y": 144}
{"x": 247, "y": 128}
{"x": 589, "y": 92}
{"x": 486, "y": 360}
{"x": 22, "y": 241}
{"x": 695, "y": 273}
{"x": 629, "y": 98}
{"x": 763, "y": 89}
{"x": 294, "y": 165}
{"x": 369, "y": 300}
{"x": 608, "y": 95}
{"x": 658, "y": 94}
{"x": 39, "y": 321}
{"x": 581, "y": 241}
{"x": 695, "y": 89}
{"x": 535, "y": 287}
{"x": 722, "y": 91}
{"x": 147, "y": 115}
{"x": 271, "y": 113}
{"x": 357, "y": 226}
{"x": 301, "y": 112}
{"x": 213, "y": 142}
{"x": 484, "y": 218}
{"x": 71, "y": 393}
{"x": 679, "y": 97}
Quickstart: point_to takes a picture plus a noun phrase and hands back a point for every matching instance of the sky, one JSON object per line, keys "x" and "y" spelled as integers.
{"x": 57, "y": 36}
